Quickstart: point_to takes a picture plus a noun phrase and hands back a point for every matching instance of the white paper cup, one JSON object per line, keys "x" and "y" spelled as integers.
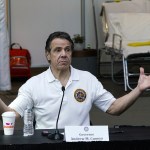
{"x": 8, "y": 122}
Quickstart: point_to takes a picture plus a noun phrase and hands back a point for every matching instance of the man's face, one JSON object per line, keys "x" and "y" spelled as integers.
{"x": 60, "y": 54}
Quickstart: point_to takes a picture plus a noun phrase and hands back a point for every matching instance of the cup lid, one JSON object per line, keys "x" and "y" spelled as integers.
{"x": 8, "y": 114}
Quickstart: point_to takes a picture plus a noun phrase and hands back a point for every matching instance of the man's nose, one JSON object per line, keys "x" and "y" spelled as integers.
{"x": 63, "y": 52}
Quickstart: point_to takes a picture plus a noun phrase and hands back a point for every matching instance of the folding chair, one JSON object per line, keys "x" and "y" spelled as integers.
{"x": 126, "y": 27}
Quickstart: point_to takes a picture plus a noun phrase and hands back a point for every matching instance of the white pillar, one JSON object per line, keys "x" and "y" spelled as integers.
{"x": 5, "y": 81}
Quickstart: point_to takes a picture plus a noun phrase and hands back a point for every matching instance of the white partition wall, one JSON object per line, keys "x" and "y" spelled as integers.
{"x": 33, "y": 20}
{"x": 5, "y": 83}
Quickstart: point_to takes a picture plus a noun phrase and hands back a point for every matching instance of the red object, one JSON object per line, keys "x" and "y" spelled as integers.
{"x": 20, "y": 61}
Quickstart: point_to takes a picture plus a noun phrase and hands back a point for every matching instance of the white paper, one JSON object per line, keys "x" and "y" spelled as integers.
{"x": 86, "y": 133}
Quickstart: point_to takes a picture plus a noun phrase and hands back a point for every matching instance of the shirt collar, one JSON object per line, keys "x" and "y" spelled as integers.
{"x": 50, "y": 77}
{"x": 74, "y": 74}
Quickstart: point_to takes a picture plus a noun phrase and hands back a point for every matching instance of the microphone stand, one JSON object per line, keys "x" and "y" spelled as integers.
{"x": 56, "y": 136}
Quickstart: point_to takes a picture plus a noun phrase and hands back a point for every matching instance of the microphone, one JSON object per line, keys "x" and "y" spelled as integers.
{"x": 56, "y": 135}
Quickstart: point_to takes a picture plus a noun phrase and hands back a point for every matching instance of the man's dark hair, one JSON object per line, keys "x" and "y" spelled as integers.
{"x": 58, "y": 34}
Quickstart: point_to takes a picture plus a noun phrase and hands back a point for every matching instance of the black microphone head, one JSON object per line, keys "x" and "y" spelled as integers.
{"x": 63, "y": 88}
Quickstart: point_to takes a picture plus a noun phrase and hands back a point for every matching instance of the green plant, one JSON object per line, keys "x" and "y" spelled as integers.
{"x": 78, "y": 38}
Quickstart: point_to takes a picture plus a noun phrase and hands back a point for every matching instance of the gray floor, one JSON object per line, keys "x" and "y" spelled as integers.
{"x": 138, "y": 114}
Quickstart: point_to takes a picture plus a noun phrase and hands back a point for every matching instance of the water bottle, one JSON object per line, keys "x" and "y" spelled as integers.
{"x": 28, "y": 128}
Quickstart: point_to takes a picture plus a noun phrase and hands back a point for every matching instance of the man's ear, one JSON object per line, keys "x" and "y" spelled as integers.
{"x": 47, "y": 54}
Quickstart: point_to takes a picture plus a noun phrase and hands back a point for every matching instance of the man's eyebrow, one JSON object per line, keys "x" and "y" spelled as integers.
{"x": 56, "y": 47}
{"x": 68, "y": 46}
{"x": 59, "y": 47}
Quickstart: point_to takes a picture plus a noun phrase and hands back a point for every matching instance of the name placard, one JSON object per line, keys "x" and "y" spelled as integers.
{"x": 86, "y": 133}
